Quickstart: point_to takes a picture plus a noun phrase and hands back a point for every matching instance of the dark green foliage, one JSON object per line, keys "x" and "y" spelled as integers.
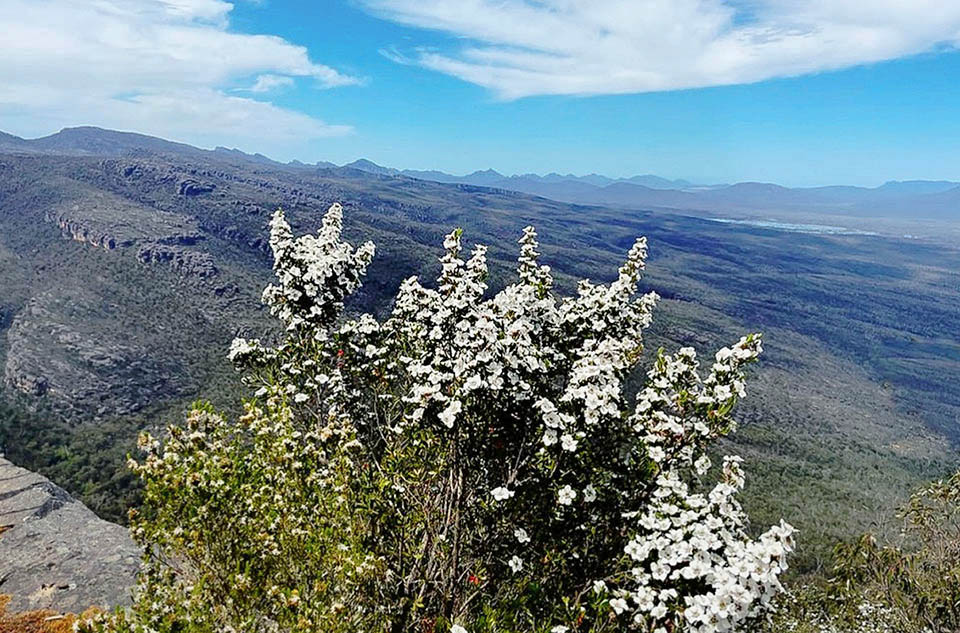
{"x": 89, "y": 460}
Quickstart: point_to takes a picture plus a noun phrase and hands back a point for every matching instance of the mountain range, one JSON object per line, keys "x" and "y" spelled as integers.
{"x": 128, "y": 263}
{"x": 918, "y": 198}
{"x": 493, "y": 178}
{"x": 914, "y": 199}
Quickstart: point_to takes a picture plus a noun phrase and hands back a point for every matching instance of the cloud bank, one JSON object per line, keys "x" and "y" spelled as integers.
{"x": 165, "y": 67}
{"x": 521, "y": 48}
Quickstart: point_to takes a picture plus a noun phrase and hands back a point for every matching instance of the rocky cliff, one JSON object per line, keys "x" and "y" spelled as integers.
{"x": 57, "y": 349}
{"x": 54, "y": 552}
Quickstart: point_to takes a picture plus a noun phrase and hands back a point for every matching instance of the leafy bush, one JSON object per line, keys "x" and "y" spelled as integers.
{"x": 913, "y": 586}
{"x": 467, "y": 463}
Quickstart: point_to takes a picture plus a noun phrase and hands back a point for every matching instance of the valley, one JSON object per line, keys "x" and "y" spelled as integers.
{"x": 128, "y": 263}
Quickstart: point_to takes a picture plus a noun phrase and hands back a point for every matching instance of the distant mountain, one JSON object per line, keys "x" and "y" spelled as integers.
{"x": 493, "y": 178}
{"x": 918, "y": 186}
{"x": 372, "y": 168}
{"x": 912, "y": 199}
{"x": 94, "y": 140}
{"x": 943, "y": 204}
{"x": 238, "y": 155}
{"x": 909, "y": 199}
{"x": 656, "y": 182}
{"x": 596, "y": 180}
{"x": 592, "y": 179}
{"x": 432, "y": 175}
{"x": 564, "y": 190}
{"x": 482, "y": 178}
{"x": 9, "y": 141}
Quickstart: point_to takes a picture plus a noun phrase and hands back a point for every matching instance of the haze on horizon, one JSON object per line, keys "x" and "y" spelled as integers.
{"x": 801, "y": 94}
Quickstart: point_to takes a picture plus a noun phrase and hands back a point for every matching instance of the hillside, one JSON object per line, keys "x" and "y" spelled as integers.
{"x": 128, "y": 264}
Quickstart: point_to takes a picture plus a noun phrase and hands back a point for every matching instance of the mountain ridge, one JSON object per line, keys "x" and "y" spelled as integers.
{"x": 931, "y": 199}
{"x": 914, "y": 198}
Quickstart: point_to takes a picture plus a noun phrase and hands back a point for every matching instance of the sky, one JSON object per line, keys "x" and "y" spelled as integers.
{"x": 798, "y": 92}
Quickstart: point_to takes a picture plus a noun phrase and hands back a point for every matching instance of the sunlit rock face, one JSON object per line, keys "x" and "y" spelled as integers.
{"x": 54, "y": 552}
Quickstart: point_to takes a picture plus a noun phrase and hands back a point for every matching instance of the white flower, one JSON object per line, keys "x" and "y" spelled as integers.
{"x": 241, "y": 347}
{"x": 449, "y": 415}
{"x": 500, "y": 493}
{"x": 589, "y": 493}
{"x": 554, "y": 367}
{"x": 656, "y": 453}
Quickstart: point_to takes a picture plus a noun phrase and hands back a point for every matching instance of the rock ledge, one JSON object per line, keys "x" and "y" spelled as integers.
{"x": 55, "y": 553}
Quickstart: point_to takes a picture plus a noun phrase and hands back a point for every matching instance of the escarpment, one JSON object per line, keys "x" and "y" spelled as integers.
{"x": 110, "y": 222}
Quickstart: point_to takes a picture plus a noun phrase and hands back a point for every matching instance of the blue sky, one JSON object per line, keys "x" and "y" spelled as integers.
{"x": 702, "y": 90}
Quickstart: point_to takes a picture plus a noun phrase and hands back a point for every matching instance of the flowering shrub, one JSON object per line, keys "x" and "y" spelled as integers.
{"x": 469, "y": 463}
{"x": 854, "y": 616}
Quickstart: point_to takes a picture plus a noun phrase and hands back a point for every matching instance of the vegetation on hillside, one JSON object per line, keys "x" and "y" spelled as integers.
{"x": 860, "y": 380}
{"x": 910, "y": 584}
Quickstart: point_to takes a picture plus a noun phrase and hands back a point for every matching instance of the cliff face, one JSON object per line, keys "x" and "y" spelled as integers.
{"x": 118, "y": 291}
{"x": 54, "y": 552}
{"x": 56, "y": 349}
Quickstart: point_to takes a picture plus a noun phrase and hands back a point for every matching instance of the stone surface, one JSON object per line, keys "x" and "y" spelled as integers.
{"x": 55, "y": 553}
{"x": 106, "y": 220}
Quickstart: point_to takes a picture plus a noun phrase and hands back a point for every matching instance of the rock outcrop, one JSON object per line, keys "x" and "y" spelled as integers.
{"x": 78, "y": 232}
{"x": 108, "y": 221}
{"x": 54, "y": 552}
{"x": 190, "y": 187}
{"x": 187, "y": 263}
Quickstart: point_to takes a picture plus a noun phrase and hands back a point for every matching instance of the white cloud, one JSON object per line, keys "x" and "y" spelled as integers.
{"x": 163, "y": 67}
{"x": 266, "y": 83}
{"x": 520, "y": 48}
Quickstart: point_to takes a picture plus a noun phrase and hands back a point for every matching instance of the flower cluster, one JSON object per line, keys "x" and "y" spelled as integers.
{"x": 443, "y": 462}
{"x": 315, "y": 273}
{"x": 698, "y": 542}
{"x": 863, "y": 616}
